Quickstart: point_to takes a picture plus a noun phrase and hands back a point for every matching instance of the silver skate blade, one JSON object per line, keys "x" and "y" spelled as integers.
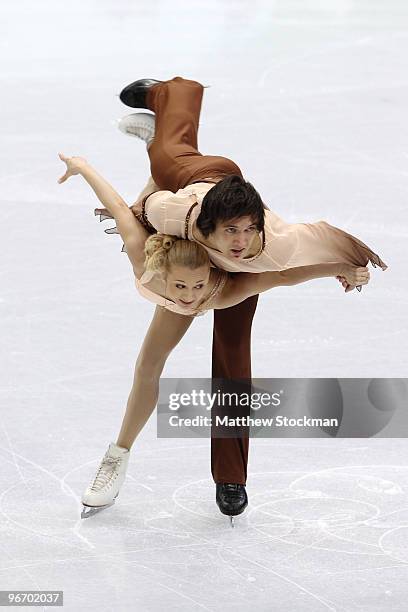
{"x": 232, "y": 521}
{"x": 88, "y": 511}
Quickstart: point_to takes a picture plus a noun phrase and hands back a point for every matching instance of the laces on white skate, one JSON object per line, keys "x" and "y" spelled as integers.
{"x": 106, "y": 473}
{"x": 139, "y": 125}
{"x": 105, "y": 487}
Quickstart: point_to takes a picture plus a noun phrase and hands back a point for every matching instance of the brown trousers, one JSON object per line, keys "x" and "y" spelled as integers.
{"x": 176, "y": 162}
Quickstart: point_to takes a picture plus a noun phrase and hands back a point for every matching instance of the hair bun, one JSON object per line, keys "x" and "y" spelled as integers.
{"x": 168, "y": 242}
{"x": 156, "y": 250}
{"x": 162, "y": 251}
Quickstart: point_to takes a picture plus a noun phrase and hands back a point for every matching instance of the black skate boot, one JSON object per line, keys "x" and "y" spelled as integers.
{"x": 231, "y": 499}
{"x": 135, "y": 94}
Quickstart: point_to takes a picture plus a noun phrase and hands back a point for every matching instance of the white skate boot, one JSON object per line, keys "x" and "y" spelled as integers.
{"x": 104, "y": 488}
{"x": 140, "y": 125}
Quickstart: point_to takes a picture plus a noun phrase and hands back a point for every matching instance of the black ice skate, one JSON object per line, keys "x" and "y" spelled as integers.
{"x": 231, "y": 499}
{"x": 135, "y": 94}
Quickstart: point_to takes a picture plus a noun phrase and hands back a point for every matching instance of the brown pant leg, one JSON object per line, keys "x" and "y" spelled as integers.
{"x": 232, "y": 360}
{"x": 174, "y": 157}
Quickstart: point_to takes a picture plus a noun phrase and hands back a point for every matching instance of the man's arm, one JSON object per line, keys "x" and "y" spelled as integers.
{"x": 244, "y": 284}
{"x": 300, "y": 274}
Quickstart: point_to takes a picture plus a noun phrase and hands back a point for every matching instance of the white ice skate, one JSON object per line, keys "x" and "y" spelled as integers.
{"x": 104, "y": 488}
{"x": 140, "y": 125}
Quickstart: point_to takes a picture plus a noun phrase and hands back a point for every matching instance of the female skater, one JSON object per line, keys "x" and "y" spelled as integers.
{"x": 175, "y": 274}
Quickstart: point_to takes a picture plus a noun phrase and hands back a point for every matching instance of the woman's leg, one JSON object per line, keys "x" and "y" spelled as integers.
{"x": 165, "y": 332}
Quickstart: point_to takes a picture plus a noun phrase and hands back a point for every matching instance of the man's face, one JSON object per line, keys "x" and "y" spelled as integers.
{"x": 235, "y": 237}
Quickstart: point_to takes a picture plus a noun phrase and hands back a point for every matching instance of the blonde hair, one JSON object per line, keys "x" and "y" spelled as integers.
{"x": 162, "y": 250}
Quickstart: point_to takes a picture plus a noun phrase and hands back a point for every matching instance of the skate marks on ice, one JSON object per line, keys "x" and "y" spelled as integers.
{"x": 351, "y": 517}
{"x": 247, "y": 571}
{"x": 349, "y": 524}
{"x": 37, "y": 504}
{"x": 9, "y": 555}
{"x": 358, "y": 521}
{"x": 306, "y": 539}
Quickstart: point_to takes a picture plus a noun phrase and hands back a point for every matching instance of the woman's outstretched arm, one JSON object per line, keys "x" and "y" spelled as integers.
{"x": 244, "y": 284}
{"x": 132, "y": 232}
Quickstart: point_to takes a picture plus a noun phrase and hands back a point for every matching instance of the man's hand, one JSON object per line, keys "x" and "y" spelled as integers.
{"x": 353, "y": 276}
{"x": 74, "y": 166}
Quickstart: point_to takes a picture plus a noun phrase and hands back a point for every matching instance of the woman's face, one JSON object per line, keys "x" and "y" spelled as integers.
{"x": 187, "y": 287}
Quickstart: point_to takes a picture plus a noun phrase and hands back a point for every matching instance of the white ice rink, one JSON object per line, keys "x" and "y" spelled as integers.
{"x": 310, "y": 99}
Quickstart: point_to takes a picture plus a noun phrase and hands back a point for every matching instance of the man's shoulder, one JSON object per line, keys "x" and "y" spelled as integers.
{"x": 182, "y": 195}
{"x": 199, "y": 190}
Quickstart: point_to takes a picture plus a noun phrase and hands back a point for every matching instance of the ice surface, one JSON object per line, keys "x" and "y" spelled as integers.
{"x": 309, "y": 98}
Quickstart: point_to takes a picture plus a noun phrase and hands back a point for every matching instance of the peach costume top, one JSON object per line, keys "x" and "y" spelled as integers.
{"x": 283, "y": 245}
{"x": 160, "y": 297}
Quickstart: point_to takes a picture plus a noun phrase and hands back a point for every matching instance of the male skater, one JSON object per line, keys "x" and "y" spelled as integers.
{"x": 231, "y": 220}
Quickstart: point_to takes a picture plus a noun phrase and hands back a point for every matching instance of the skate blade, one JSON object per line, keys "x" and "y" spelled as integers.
{"x": 88, "y": 511}
{"x": 232, "y": 523}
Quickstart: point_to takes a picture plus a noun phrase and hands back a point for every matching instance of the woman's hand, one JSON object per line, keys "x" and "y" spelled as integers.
{"x": 150, "y": 188}
{"x": 74, "y": 166}
{"x": 136, "y": 208}
{"x": 345, "y": 284}
{"x": 353, "y": 276}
